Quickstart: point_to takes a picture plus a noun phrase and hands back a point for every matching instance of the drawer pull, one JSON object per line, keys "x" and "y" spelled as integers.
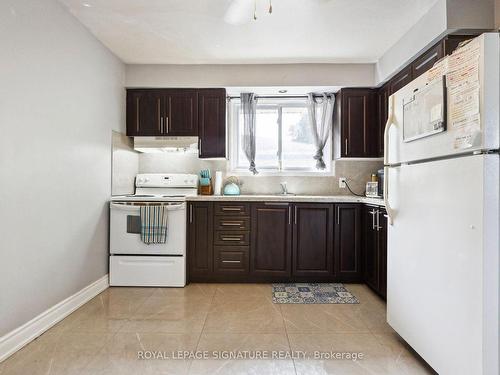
{"x": 231, "y": 261}
{"x": 239, "y": 238}
{"x": 231, "y": 223}
{"x": 231, "y": 208}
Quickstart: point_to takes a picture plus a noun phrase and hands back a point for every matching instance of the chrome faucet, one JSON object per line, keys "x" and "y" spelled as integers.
{"x": 284, "y": 189}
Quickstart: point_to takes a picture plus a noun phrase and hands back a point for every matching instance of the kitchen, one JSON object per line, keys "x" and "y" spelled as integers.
{"x": 305, "y": 202}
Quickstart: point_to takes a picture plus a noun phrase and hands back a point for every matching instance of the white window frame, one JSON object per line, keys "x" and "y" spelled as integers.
{"x": 233, "y": 106}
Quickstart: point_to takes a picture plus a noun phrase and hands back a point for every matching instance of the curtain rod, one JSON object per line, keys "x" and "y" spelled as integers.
{"x": 277, "y": 96}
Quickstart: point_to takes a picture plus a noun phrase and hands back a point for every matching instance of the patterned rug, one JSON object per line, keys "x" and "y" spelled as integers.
{"x": 309, "y": 293}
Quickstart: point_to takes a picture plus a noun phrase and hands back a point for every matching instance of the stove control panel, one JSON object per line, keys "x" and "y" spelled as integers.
{"x": 166, "y": 180}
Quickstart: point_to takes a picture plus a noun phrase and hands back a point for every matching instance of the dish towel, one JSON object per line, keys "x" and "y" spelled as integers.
{"x": 154, "y": 224}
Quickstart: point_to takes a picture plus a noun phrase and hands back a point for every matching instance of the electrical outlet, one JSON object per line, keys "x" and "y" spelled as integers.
{"x": 342, "y": 182}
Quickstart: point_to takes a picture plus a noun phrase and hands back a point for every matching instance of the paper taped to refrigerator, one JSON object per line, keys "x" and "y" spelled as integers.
{"x": 464, "y": 95}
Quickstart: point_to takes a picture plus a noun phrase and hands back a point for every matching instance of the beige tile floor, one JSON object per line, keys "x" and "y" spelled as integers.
{"x": 105, "y": 335}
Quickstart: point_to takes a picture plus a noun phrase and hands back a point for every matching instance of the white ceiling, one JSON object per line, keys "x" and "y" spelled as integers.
{"x": 198, "y": 32}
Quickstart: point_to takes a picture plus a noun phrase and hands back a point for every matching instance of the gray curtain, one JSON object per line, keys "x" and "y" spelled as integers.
{"x": 248, "y": 108}
{"x": 320, "y": 127}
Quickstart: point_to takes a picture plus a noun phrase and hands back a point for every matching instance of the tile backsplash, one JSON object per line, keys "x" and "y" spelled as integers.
{"x": 357, "y": 171}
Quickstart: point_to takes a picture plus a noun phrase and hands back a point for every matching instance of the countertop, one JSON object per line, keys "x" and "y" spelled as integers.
{"x": 288, "y": 198}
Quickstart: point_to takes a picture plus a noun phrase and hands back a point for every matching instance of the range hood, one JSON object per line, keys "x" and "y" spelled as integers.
{"x": 166, "y": 144}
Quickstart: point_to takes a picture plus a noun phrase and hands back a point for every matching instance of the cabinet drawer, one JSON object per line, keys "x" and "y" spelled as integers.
{"x": 232, "y": 259}
{"x": 232, "y": 223}
{"x": 231, "y": 209}
{"x": 231, "y": 238}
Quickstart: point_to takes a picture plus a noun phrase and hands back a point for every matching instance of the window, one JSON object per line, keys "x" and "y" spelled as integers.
{"x": 284, "y": 141}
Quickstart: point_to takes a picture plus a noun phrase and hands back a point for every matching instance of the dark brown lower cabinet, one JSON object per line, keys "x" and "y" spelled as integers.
{"x": 200, "y": 239}
{"x": 375, "y": 248}
{"x": 271, "y": 240}
{"x": 370, "y": 247}
{"x": 274, "y": 241}
{"x": 382, "y": 245}
{"x": 348, "y": 245}
{"x": 231, "y": 260}
{"x": 313, "y": 240}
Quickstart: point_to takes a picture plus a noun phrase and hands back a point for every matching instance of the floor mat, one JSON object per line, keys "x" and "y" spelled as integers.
{"x": 312, "y": 293}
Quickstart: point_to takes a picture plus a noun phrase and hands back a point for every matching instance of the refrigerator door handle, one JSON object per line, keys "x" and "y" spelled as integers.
{"x": 390, "y": 122}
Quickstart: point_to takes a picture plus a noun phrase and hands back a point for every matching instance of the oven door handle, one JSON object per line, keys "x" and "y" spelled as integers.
{"x": 135, "y": 207}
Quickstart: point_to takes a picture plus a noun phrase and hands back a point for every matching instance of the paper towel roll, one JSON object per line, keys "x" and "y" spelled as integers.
{"x": 218, "y": 183}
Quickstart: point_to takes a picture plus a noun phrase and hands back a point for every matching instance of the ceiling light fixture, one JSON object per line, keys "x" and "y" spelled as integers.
{"x": 86, "y": 5}
{"x": 255, "y": 8}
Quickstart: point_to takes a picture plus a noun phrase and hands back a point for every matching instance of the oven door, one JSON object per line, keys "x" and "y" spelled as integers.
{"x": 125, "y": 230}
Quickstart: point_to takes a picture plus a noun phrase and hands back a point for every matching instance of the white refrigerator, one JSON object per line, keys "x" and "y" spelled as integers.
{"x": 442, "y": 197}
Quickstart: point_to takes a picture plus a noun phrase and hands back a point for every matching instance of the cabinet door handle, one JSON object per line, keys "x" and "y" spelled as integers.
{"x": 231, "y": 209}
{"x": 160, "y": 117}
{"x": 275, "y": 204}
{"x": 231, "y": 261}
{"x": 295, "y": 216}
{"x": 373, "y": 219}
{"x": 289, "y": 215}
{"x": 231, "y": 223}
{"x": 346, "y": 146}
{"x": 137, "y": 115}
{"x": 199, "y": 146}
{"x": 378, "y": 220}
{"x": 385, "y": 215}
{"x": 231, "y": 238}
{"x": 167, "y": 126}
{"x": 190, "y": 213}
{"x": 338, "y": 215}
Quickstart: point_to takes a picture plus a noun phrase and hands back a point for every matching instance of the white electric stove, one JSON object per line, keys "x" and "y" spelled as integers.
{"x": 131, "y": 261}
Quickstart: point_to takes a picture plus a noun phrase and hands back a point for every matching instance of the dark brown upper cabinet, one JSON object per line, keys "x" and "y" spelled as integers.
{"x": 212, "y": 123}
{"x": 313, "y": 240}
{"x": 355, "y": 123}
{"x": 180, "y": 114}
{"x": 144, "y": 113}
{"x": 425, "y": 61}
{"x": 416, "y": 68}
{"x": 271, "y": 241}
{"x": 382, "y": 115}
{"x": 169, "y": 112}
{"x": 401, "y": 79}
{"x": 348, "y": 246}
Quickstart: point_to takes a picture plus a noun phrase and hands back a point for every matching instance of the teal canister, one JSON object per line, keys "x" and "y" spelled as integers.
{"x": 231, "y": 189}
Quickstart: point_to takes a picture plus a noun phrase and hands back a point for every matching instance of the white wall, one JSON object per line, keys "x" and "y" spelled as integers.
{"x": 61, "y": 94}
{"x": 250, "y": 75}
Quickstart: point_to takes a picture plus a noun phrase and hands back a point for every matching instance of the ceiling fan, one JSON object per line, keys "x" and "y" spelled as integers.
{"x": 239, "y": 11}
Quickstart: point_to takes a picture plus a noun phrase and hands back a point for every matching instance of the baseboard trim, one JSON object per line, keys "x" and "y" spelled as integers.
{"x": 16, "y": 339}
